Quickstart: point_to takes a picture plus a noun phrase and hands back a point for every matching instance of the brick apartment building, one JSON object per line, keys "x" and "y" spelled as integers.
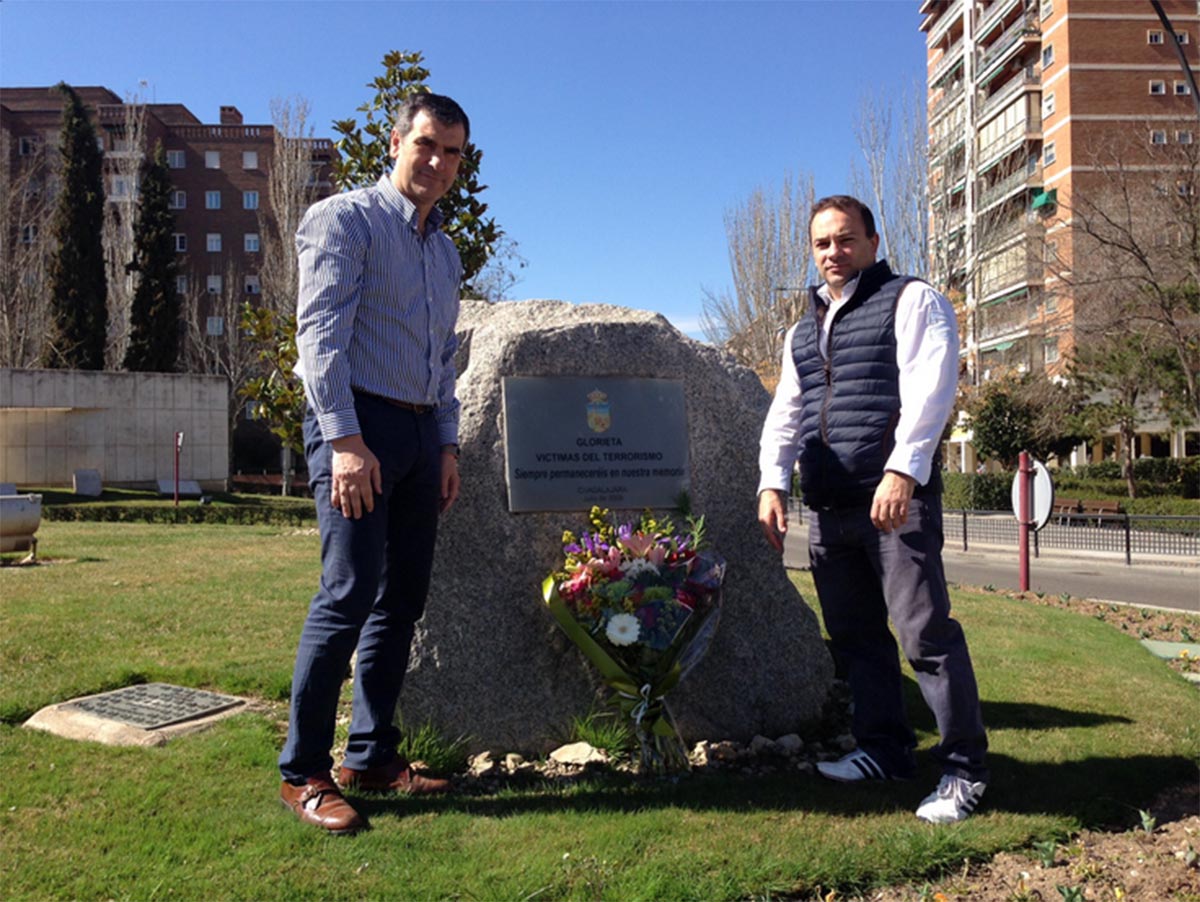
{"x": 220, "y": 175}
{"x": 1024, "y": 98}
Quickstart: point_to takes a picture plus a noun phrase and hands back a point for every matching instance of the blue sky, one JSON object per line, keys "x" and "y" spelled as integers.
{"x": 615, "y": 135}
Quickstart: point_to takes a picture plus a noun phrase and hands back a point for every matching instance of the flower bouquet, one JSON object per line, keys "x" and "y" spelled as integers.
{"x": 641, "y": 602}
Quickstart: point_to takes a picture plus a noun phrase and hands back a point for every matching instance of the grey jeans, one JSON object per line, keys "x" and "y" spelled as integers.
{"x": 862, "y": 576}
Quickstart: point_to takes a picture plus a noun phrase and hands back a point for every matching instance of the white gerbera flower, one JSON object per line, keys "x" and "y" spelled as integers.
{"x": 622, "y": 629}
{"x": 637, "y": 566}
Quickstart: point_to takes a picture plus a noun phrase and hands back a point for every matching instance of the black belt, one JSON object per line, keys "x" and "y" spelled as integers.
{"x": 403, "y": 405}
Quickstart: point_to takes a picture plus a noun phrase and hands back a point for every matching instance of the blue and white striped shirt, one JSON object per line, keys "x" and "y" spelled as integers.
{"x": 377, "y": 308}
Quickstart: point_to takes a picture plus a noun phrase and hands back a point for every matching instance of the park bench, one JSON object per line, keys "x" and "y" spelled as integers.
{"x": 1093, "y": 510}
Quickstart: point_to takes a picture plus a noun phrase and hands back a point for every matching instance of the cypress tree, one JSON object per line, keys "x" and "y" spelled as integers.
{"x": 154, "y": 315}
{"x": 78, "y": 286}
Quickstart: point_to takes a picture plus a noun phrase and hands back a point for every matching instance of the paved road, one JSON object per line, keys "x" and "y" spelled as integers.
{"x": 1165, "y": 585}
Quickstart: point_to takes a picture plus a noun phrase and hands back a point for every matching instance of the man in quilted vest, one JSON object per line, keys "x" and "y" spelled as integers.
{"x": 867, "y": 384}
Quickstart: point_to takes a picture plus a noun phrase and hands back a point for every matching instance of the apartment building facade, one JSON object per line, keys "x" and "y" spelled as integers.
{"x": 1032, "y": 107}
{"x": 220, "y": 174}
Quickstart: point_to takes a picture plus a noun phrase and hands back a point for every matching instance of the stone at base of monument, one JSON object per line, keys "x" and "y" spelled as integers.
{"x": 188, "y": 488}
{"x": 488, "y": 661}
{"x": 87, "y": 483}
{"x": 144, "y": 715}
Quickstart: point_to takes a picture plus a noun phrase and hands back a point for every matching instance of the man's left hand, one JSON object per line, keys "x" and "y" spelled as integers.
{"x": 450, "y": 479}
{"x": 889, "y": 509}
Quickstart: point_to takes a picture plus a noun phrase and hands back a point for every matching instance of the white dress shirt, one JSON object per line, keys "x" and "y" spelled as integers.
{"x": 927, "y": 355}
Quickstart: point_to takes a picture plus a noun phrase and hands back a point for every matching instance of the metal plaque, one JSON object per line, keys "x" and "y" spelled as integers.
{"x": 154, "y": 705}
{"x": 571, "y": 442}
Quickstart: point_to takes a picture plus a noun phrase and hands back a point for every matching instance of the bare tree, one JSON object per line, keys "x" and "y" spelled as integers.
{"x": 291, "y": 189}
{"x": 123, "y": 168}
{"x": 891, "y": 135}
{"x": 769, "y": 258}
{"x": 25, "y": 197}
{"x": 1134, "y": 264}
{"x": 214, "y": 342}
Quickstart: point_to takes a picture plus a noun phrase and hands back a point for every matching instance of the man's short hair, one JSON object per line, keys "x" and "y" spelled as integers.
{"x": 438, "y": 106}
{"x": 847, "y": 205}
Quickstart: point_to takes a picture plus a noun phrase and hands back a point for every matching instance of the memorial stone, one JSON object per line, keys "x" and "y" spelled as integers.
{"x": 488, "y": 661}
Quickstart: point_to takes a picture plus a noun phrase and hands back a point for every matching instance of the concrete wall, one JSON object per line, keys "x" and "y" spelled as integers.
{"x": 54, "y": 422}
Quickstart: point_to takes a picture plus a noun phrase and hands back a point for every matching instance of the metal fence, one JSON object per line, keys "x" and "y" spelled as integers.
{"x": 1126, "y": 534}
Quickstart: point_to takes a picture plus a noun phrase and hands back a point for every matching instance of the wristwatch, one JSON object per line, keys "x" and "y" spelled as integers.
{"x": 453, "y": 449}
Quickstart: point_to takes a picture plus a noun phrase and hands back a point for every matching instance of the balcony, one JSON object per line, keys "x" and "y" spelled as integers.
{"x": 996, "y": 150}
{"x": 951, "y": 95}
{"x": 1026, "y": 271}
{"x": 1029, "y": 79}
{"x": 950, "y": 60}
{"x": 944, "y": 23}
{"x": 1024, "y": 30}
{"x": 1024, "y": 178}
{"x": 1005, "y": 315}
{"x": 992, "y": 16}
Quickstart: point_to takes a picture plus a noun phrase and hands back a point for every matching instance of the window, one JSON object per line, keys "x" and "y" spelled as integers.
{"x": 1051, "y": 303}
{"x": 250, "y": 243}
{"x": 1154, "y": 36}
{"x": 180, "y": 242}
{"x": 214, "y": 286}
{"x": 1048, "y": 154}
{"x": 176, "y": 159}
{"x": 213, "y": 242}
{"x": 29, "y": 234}
{"x": 1158, "y": 86}
{"x": 1047, "y": 8}
{"x": 26, "y": 145}
{"x": 1185, "y": 189}
{"x": 1182, "y": 88}
{"x": 252, "y": 285}
{"x": 249, "y": 200}
{"x": 1048, "y": 105}
{"x": 216, "y": 324}
{"x": 120, "y": 187}
{"x": 1183, "y": 137}
{"x": 1181, "y": 37}
{"x": 178, "y": 200}
{"x": 181, "y": 284}
{"x": 212, "y": 200}
{"x": 212, "y": 159}
{"x": 1047, "y": 56}
{"x": 1158, "y": 136}
{"x": 1050, "y": 350}
{"x": 249, "y": 159}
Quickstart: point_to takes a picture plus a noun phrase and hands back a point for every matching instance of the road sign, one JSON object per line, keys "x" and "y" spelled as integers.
{"x": 1041, "y": 495}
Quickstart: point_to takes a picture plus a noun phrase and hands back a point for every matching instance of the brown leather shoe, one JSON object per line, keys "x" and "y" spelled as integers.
{"x": 394, "y": 777}
{"x": 318, "y": 801}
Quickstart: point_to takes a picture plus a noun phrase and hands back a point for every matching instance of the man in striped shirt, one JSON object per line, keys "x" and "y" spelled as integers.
{"x": 375, "y": 332}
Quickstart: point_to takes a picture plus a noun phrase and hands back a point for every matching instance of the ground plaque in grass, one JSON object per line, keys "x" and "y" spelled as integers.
{"x": 154, "y": 705}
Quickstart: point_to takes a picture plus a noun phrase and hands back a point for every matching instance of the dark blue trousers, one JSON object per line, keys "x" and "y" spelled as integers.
{"x": 862, "y": 576}
{"x": 374, "y": 580}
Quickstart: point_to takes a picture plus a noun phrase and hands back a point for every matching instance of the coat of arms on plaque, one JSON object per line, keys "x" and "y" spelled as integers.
{"x": 599, "y": 417}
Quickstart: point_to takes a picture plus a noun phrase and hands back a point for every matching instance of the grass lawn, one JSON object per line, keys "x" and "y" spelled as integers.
{"x": 1085, "y": 727}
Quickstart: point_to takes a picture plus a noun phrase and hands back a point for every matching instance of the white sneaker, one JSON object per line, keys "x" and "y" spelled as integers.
{"x": 953, "y": 800}
{"x": 855, "y": 767}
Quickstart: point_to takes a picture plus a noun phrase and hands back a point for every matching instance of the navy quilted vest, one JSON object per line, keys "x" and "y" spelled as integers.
{"x": 850, "y": 403}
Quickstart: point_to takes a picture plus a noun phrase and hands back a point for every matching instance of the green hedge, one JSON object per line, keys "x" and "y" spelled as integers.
{"x": 189, "y": 513}
{"x": 977, "y": 492}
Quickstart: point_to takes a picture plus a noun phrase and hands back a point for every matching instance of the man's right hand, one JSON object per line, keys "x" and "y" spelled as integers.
{"x": 772, "y": 517}
{"x": 356, "y": 477}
